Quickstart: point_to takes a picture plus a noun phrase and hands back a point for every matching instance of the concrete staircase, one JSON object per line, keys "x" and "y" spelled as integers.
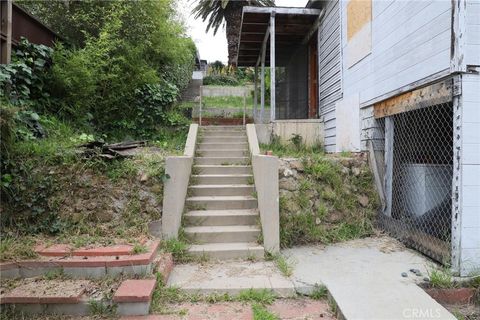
{"x": 222, "y": 219}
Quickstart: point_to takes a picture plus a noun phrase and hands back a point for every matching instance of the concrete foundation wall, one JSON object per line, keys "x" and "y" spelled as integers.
{"x": 221, "y": 91}
{"x": 311, "y": 131}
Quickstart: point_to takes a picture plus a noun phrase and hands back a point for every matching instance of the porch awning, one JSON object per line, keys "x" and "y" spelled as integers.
{"x": 292, "y": 27}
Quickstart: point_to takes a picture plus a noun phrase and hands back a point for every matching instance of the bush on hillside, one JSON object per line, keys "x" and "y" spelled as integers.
{"x": 220, "y": 80}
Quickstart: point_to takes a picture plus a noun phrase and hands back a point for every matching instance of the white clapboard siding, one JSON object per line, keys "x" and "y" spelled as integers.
{"x": 330, "y": 72}
{"x": 410, "y": 42}
{"x": 470, "y": 171}
{"x": 472, "y": 48}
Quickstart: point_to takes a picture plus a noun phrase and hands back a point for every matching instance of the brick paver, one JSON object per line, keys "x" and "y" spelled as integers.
{"x": 135, "y": 291}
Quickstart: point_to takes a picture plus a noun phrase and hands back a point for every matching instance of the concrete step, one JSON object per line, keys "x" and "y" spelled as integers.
{"x": 232, "y": 277}
{"x": 222, "y": 202}
{"x": 225, "y": 169}
{"x": 221, "y": 146}
{"x": 222, "y": 179}
{"x": 221, "y": 160}
{"x": 224, "y": 133}
{"x": 230, "y": 250}
{"x": 223, "y": 153}
{"x": 221, "y": 190}
{"x": 221, "y": 217}
{"x": 221, "y": 139}
{"x": 214, "y": 128}
{"x": 221, "y": 234}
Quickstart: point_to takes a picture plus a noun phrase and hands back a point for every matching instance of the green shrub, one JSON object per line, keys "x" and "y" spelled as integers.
{"x": 220, "y": 80}
{"x": 24, "y": 79}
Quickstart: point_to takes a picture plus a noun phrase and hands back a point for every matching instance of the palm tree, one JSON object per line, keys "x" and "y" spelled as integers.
{"x": 229, "y": 12}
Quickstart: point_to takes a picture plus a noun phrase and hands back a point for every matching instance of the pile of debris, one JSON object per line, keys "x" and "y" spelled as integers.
{"x": 111, "y": 151}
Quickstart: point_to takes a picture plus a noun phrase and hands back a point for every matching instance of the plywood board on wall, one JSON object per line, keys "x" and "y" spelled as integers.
{"x": 359, "y": 30}
{"x": 359, "y": 13}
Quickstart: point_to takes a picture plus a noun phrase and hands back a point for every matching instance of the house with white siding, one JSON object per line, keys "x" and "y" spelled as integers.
{"x": 399, "y": 80}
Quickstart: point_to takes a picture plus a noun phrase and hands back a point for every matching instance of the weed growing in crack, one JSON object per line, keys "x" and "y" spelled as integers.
{"x": 261, "y": 313}
{"x": 178, "y": 249}
{"x": 262, "y": 296}
{"x": 281, "y": 262}
{"x": 319, "y": 292}
{"x": 102, "y": 308}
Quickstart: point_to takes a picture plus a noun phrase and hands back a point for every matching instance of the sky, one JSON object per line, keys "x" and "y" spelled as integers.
{"x": 214, "y": 47}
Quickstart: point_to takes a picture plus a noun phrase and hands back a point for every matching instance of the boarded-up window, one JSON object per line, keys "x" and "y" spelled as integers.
{"x": 359, "y": 30}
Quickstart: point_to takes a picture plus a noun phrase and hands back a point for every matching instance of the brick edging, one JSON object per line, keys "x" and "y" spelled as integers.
{"x": 14, "y": 269}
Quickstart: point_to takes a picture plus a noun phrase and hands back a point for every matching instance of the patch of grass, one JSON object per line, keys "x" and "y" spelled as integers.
{"x": 458, "y": 315}
{"x": 55, "y": 274}
{"x": 121, "y": 169}
{"x": 163, "y": 295}
{"x": 261, "y": 313}
{"x": 17, "y": 249}
{"x": 302, "y": 228}
{"x": 441, "y": 278}
{"x": 139, "y": 248}
{"x": 102, "y": 308}
{"x": 319, "y": 292}
{"x": 178, "y": 249}
{"x": 218, "y": 297}
{"x": 228, "y": 102}
{"x": 262, "y": 296}
{"x": 294, "y": 148}
{"x": 281, "y": 262}
{"x": 333, "y": 306}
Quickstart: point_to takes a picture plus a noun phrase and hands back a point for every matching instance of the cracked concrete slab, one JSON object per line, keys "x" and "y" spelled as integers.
{"x": 230, "y": 277}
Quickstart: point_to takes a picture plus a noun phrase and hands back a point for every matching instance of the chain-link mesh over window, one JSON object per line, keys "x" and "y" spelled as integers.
{"x": 421, "y": 184}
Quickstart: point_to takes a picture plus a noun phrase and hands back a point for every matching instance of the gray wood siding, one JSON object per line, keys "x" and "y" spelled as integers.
{"x": 330, "y": 69}
{"x": 472, "y": 47}
{"x": 410, "y": 42}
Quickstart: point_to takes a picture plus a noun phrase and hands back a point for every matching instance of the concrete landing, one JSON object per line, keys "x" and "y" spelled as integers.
{"x": 365, "y": 279}
{"x": 230, "y": 277}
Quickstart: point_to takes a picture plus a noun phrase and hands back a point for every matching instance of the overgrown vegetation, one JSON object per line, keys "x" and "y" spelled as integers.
{"x": 295, "y": 147}
{"x": 116, "y": 77}
{"x": 331, "y": 198}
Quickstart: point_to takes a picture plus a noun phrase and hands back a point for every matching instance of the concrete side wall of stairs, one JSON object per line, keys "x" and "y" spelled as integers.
{"x": 265, "y": 173}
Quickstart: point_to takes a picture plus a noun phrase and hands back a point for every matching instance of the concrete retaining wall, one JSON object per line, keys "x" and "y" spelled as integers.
{"x": 221, "y": 112}
{"x": 311, "y": 130}
{"x": 175, "y": 190}
{"x": 223, "y": 91}
{"x": 265, "y": 173}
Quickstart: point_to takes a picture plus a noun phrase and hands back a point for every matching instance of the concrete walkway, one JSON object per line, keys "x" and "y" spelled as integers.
{"x": 230, "y": 277}
{"x": 365, "y": 279}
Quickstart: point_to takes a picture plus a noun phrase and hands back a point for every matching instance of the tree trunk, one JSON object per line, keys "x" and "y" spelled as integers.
{"x": 233, "y": 18}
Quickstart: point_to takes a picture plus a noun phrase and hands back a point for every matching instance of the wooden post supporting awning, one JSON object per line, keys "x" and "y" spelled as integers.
{"x": 266, "y": 36}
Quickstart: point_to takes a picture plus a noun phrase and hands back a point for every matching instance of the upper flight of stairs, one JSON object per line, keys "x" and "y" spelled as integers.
{"x": 222, "y": 219}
